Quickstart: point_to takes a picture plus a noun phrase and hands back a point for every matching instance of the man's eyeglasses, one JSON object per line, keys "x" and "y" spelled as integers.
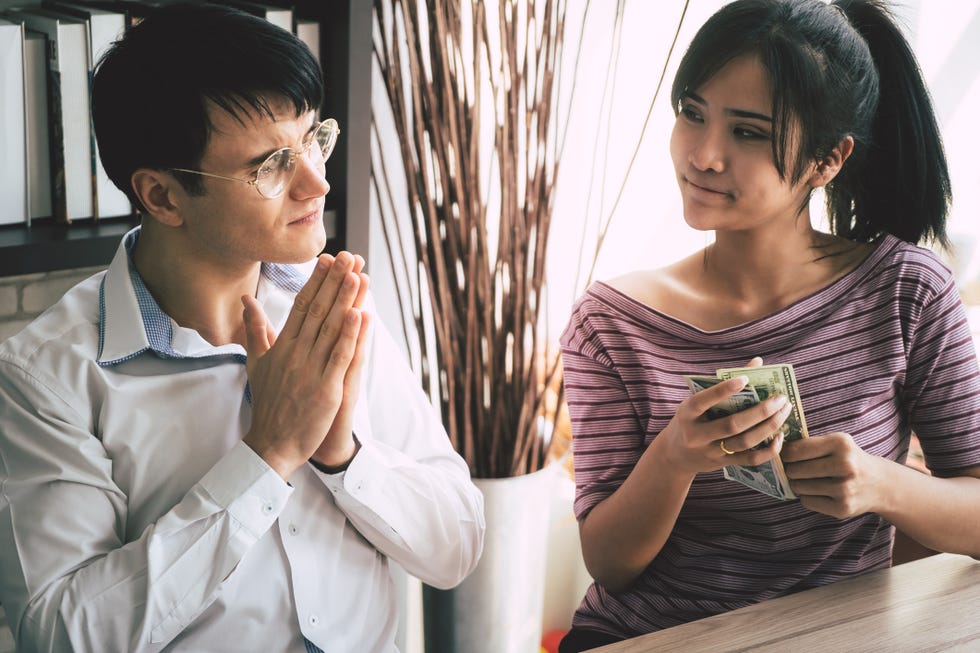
{"x": 278, "y": 169}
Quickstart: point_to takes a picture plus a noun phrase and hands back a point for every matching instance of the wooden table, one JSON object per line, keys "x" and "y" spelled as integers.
{"x": 931, "y": 604}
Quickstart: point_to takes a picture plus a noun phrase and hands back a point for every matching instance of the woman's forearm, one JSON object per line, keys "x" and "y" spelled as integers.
{"x": 626, "y": 531}
{"x": 940, "y": 513}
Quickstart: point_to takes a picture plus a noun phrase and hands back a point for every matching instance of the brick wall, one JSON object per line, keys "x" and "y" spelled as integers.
{"x": 24, "y": 298}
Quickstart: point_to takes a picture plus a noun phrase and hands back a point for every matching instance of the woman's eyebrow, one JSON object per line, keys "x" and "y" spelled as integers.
{"x": 738, "y": 113}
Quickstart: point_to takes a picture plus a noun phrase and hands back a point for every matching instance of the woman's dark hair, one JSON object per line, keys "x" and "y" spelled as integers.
{"x": 835, "y": 70}
{"x": 152, "y": 87}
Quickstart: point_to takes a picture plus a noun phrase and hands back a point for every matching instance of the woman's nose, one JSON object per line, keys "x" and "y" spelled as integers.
{"x": 708, "y": 151}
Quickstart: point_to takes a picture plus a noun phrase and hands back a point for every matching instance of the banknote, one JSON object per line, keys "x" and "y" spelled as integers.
{"x": 769, "y": 380}
{"x": 764, "y": 382}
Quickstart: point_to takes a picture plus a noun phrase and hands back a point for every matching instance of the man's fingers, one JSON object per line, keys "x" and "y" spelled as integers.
{"x": 362, "y": 290}
{"x": 353, "y": 379}
{"x": 304, "y": 299}
{"x": 331, "y": 328}
{"x": 342, "y": 353}
{"x": 334, "y": 293}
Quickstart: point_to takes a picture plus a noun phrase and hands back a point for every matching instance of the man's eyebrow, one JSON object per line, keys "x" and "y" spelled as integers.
{"x": 260, "y": 158}
{"x": 738, "y": 113}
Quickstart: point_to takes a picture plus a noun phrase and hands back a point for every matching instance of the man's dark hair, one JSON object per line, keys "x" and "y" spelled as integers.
{"x": 152, "y": 87}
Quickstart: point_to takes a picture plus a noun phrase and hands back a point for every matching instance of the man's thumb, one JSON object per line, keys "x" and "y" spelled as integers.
{"x": 259, "y": 335}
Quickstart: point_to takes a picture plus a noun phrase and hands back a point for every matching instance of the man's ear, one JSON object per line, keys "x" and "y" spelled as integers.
{"x": 156, "y": 190}
{"x": 828, "y": 167}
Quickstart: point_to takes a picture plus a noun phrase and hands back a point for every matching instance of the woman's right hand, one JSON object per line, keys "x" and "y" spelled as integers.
{"x": 693, "y": 443}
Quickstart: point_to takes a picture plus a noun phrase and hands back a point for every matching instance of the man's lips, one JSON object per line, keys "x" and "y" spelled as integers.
{"x": 306, "y": 219}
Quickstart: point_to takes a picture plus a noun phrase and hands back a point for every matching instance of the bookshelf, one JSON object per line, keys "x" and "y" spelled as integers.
{"x": 47, "y": 246}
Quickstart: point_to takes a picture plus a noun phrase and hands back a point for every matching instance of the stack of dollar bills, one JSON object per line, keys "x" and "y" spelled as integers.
{"x": 764, "y": 382}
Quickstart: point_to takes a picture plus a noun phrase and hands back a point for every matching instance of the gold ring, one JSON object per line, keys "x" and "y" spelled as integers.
{"x": 722, "y": 445}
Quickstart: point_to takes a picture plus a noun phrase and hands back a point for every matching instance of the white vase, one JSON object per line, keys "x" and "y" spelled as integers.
{"x": 499, "y": 607}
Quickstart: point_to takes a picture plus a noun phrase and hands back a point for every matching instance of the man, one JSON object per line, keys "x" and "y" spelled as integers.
{"x": 177, "y": 473}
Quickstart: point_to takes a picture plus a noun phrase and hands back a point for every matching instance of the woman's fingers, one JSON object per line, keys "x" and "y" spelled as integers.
{"x": 699, "y": 403}
{"x": 754, "y": 426}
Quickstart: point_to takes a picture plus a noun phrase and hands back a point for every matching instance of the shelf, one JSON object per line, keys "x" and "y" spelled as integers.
{"x": 46, "y": 246}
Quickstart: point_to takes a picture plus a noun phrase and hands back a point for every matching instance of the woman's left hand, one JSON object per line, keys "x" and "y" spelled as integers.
{"x": 832, "y": 475}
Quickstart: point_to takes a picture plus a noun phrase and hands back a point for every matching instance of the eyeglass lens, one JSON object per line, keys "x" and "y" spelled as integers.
{"x": 277, "y": 171}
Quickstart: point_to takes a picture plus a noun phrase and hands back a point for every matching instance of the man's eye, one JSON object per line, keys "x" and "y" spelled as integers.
{"x": 309, "y": 138}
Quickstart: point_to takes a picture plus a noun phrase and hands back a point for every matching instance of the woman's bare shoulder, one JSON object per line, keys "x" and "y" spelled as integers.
{"x": 660, "y": 289}
{"x": 640, "y": 285}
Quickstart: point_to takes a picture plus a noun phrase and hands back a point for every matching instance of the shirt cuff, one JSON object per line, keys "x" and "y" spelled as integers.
{"x": 363, "y": 487}
{"x": 251, "y": 491}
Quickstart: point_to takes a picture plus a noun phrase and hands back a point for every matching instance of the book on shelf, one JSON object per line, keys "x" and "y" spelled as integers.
{"x": 104, "y": 27}
{"x": 276, "y": 14}
{"x": 13, "y": 116}
{"x": 308, "y": 31}
{"x": 72, "y": 186}
{"x": 38, "y": 145}
{"x": 133, "y": 11}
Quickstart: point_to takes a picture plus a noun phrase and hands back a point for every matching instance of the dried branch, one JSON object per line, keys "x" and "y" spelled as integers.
{"x": 453, "y": 76}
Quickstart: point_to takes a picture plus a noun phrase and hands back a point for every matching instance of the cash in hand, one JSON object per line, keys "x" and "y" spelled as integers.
{"x": 764, "y": 381}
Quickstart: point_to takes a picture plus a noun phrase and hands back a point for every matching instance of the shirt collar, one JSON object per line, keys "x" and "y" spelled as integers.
{"x": 132, "y": 323}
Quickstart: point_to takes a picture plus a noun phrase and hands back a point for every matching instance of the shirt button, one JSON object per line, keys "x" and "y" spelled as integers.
{"x": 293, "y": 530}
{"x": 267, "y": 508}
{"x": 314, "y": 620}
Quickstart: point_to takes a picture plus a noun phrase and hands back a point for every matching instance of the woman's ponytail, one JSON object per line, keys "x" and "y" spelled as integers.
{"x": 901, "y": 184}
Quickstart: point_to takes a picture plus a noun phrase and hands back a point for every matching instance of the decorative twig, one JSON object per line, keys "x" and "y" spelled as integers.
{"x": 451, "y": 82}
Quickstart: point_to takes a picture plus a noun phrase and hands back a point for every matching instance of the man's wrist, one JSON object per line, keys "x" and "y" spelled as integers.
{"x": 336, "y": 469}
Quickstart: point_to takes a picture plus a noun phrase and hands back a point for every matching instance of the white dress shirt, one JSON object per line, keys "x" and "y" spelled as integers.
{"x": 133, "y": 518}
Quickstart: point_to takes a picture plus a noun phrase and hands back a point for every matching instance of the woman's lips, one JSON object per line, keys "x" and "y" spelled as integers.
{"x": 707, "y": 192}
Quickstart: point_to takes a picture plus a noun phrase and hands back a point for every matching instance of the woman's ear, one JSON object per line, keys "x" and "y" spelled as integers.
{"x": 155, "y": 189}
{"x": 828, "y": 167}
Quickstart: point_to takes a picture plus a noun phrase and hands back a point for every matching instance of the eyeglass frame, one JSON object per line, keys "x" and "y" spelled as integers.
{"x": 329, "y": 122}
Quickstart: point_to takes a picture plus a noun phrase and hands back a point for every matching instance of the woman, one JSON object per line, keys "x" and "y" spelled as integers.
{"x": 774, "y": 99}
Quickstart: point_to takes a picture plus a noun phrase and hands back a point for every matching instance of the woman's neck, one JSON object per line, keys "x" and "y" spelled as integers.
{"x": 765, "y": 266}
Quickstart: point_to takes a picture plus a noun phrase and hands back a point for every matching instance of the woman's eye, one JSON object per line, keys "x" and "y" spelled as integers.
{"x": 691, "y": 114}
{"x": 750, "y": 134}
